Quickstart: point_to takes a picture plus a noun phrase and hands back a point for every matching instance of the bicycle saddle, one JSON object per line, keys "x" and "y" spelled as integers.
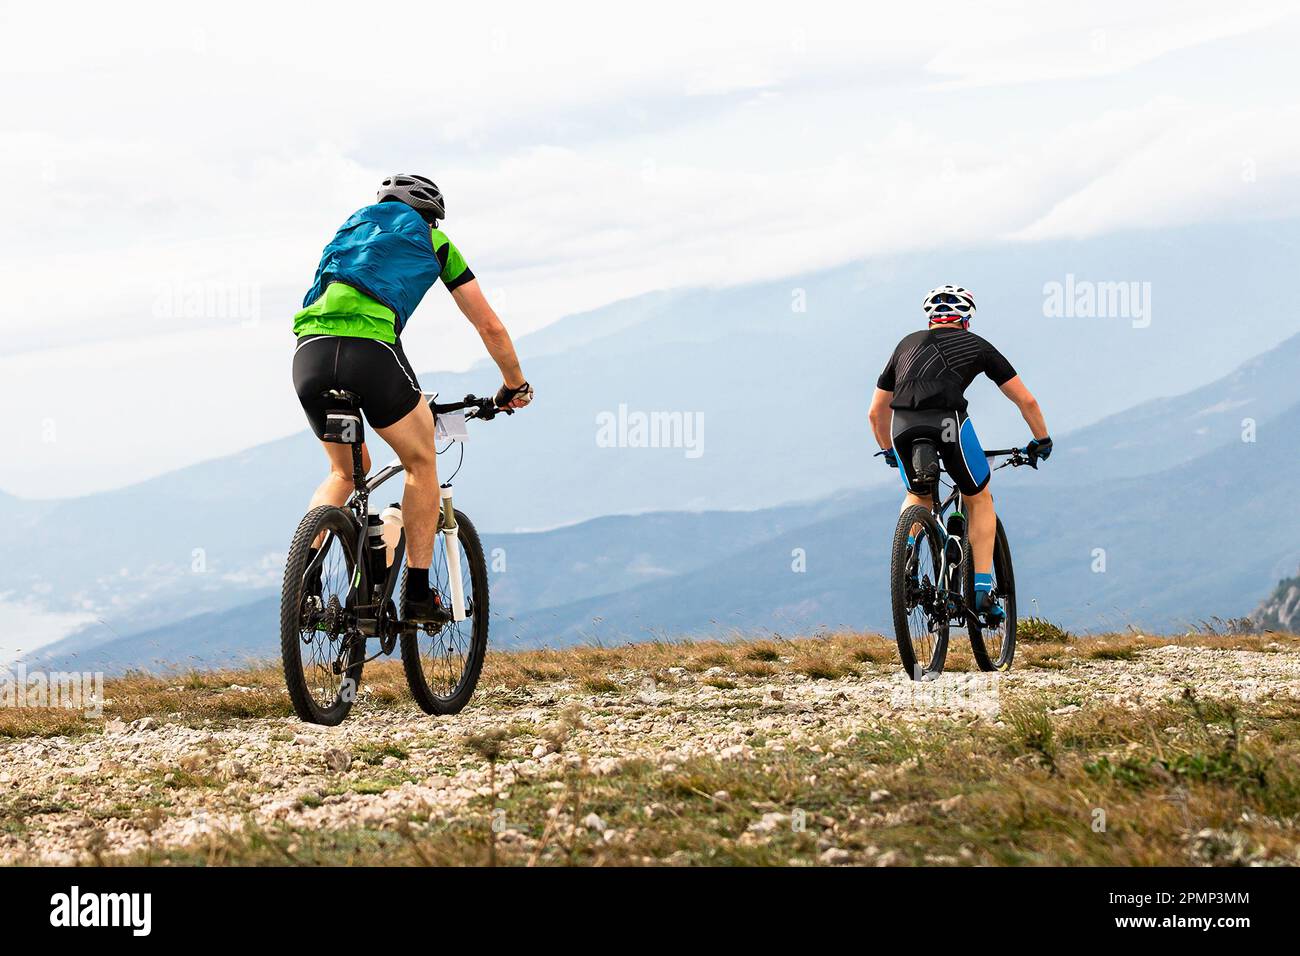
{"x": 341, "y": 395}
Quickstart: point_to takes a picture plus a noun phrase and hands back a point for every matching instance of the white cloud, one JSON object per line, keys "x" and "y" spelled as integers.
{"x": 589, "y": 153}
{"x": 1238, "y": 166}
{"x": 1040, "y": 43}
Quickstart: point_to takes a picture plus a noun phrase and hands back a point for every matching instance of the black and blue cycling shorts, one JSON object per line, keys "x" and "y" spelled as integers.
{"x": 953, "y": 435}
{"x": 376, "y": 371}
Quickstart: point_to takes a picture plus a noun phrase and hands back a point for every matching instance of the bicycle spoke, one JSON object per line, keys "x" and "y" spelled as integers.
{"x": 922, "y": 617}
{"x": 917, "y": 594}
{"x": 442, "y": 660}
{"x": 994, "y": 647}
{"x": 326, "y": 636}
{"x": 444, "y": 653}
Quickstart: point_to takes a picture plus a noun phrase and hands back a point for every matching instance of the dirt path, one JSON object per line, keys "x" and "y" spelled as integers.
{"x": 165, "y": 783}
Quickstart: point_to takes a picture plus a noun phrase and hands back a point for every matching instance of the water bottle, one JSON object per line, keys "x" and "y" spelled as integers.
{"x": 391, "y": 517}
{"x": 956, "y": 535}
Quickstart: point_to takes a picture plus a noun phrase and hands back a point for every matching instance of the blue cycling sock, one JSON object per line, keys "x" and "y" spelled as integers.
{"x": 983, "y": 585}
{"x": 911, "y": 540}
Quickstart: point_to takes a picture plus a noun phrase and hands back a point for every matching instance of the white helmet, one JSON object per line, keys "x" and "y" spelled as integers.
{"x": 418, "y": 192}
{"x": 949, "y": 303}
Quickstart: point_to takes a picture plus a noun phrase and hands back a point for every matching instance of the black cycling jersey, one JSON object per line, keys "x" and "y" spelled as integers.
{"x": 932, "y": 368}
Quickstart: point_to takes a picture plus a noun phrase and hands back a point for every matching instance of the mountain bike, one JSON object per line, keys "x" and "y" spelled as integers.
{"x": 932, "y": 579}
{"x": 335, "y": 600}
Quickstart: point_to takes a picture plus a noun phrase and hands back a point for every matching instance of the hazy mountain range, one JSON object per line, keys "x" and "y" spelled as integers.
{"x": 1093, "y": 550}
{"x": 189, "y": 563}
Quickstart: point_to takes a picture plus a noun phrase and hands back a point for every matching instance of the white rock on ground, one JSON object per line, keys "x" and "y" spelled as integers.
{"x": 308, "y": 779}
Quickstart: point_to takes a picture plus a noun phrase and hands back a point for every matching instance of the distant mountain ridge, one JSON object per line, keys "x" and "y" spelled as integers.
{"x": 593, "y": 559}
{"x": 782, "y": 396}
{"x": 1280, "y": 611}
{"x": 1093, "y": 554}
{"x": 1163, "y": 431}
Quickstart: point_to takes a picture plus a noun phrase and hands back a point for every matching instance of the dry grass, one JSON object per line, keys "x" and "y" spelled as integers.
{"x": 217, "y": 696}
{"x": 1106, "y": 788}
{"x": 1185, "y": 781}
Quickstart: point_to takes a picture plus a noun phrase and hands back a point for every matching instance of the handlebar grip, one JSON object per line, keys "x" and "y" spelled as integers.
{"x": 483, "y": 409}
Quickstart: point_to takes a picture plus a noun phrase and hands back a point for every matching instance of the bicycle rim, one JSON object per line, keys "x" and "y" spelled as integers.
{"x": 918, "y": 600}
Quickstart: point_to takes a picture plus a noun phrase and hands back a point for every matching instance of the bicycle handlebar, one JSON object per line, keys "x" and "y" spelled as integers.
{"x": 1015, "y": 457}
{"x": 483, "y": 409}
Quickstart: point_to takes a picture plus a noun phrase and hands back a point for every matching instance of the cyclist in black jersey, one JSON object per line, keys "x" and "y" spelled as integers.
{"x": 921, "y": 394}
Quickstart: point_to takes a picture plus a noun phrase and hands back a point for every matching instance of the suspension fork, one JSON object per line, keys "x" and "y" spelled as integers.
{"x": 451, "y": 536}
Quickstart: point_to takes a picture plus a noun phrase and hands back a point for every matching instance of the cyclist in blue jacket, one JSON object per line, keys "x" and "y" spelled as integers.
{"x": 371, "y": 276}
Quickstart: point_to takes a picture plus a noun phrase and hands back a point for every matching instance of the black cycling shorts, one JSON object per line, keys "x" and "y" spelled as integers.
{"x": 376, "y": 371}
{"x": 954, "y": 437}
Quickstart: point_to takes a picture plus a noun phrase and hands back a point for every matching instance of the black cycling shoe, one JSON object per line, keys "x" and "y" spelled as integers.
{"x": 430, "y": 611}
{"x": 990, "y": 610}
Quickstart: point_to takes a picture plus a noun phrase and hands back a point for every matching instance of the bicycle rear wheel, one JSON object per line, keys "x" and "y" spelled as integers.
{"x": 321, "y": 647}
{"x": 443, "y": 661}
{"x": 993, "y": 647}
{"x": 919, "y": 602}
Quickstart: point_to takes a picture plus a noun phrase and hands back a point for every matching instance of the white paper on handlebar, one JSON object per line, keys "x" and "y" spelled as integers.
{"x": 450, "y": 426}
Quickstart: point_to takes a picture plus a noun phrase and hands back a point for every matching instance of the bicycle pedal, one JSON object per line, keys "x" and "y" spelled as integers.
{"x": 436, "y": 617}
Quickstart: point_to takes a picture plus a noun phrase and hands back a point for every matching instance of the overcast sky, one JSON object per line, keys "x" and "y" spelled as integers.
{"x": 169, "y": 174}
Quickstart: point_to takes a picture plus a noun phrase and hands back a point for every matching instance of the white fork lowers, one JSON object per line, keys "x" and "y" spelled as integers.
{"x": 451, "y": 534}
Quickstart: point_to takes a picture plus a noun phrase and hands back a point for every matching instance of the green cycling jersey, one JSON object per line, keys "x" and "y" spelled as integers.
{"x": 344, "y": 310}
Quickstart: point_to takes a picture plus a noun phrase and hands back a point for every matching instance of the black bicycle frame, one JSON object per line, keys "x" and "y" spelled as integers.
{"x": 395, "y": 467}
{"x": 370, "y": 614}
{"x": 359, "y": 504}
{"x": 955, "y": 497}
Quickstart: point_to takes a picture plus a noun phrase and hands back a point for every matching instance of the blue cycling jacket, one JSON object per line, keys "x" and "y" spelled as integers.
{"x": 384, "y": 250}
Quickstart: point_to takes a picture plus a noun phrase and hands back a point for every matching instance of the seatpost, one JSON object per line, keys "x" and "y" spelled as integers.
{"x": 358, "y": 473}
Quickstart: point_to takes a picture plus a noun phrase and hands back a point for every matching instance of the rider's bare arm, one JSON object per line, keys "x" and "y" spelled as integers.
{"x": 880, "y": 417}
{"x": 490, "y": 329}
{"x": 1015, "y": 390}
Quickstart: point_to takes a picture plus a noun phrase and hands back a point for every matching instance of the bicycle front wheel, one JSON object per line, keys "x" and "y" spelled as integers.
{"x": 993, "y": 647}
{"x": 321, "y": 646}
{"x": 443, "y": 661}
{"x": 918, "y": 596}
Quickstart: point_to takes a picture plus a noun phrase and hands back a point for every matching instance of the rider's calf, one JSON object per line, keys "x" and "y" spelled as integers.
{"x": 981, "y": 525}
